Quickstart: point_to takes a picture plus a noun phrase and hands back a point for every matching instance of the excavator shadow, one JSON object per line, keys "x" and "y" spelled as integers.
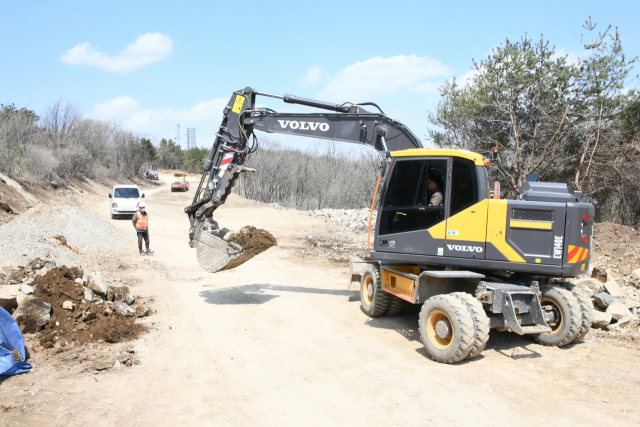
{"x": 507, "y": 344}
{"x": 405, "y": 324}
{"x": 261, "y": 293}
{"x": 512, "y": 345}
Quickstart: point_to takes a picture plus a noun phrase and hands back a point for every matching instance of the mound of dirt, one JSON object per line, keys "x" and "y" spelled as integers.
{"x": 253, "y": 238}
{"x": 617, "y": 248}
{"x": 81, "y": 322}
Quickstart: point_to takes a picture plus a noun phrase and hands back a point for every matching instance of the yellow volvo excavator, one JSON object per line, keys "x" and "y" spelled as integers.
{"x": 472, "y": 261}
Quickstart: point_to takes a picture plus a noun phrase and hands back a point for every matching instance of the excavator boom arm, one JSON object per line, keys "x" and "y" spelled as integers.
{"x": 346, "y": 122}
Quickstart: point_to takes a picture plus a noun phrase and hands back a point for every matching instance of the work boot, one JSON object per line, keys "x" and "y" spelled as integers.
{"x": 148, "y": 251}
{"x": 141, "y": 253}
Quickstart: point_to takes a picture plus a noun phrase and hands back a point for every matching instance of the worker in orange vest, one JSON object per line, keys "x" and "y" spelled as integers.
{"x": 141, "y": 223}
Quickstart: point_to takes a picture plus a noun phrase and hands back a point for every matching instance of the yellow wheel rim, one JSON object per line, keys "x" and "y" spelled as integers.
{"x": 556, "y": 309}
{"x": 440, "y": 343}
{"x": 367, "y": 290}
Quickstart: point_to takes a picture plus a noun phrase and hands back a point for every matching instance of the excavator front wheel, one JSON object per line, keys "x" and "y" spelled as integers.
{"x": 373, "y": 300}
{"x": 567, "y": 316}
{"x": 446, "y": 328}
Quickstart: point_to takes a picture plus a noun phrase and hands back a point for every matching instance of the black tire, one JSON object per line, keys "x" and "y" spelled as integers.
{"x": 586, "y": 311}
{"x": 457, "y": 345}
{"x": 480, "y": 322}
{"x": 396, "y": 306}
{"x": 373, "y": 300}
{"x": 567, "y": 308}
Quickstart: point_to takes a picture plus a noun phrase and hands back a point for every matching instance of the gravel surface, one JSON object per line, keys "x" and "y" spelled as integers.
{"x": 346, "y": 219}
{"x": 32, "y": 235}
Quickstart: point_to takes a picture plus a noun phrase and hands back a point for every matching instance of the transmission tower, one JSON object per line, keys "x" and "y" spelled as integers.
{"x": 178, "y": 134}
{"x": 191, "y": 138}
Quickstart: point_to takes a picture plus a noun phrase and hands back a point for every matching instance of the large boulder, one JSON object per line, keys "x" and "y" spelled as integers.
{"x": 618, "y": 310}
{"x": 97, "y": 284}
{"x": 32, "y": 314}
{"x": 601, "y": 320}
{"x": 120, "y": 293}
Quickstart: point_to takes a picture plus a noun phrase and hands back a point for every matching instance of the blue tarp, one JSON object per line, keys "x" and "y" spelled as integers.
{"x": 10, "y": 342}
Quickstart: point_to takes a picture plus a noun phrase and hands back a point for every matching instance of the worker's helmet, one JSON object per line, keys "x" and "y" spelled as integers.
{"x": 141, "y": 205}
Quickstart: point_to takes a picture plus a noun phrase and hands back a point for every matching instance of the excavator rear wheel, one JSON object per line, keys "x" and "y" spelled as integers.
{"x": 446, "y": 328}
{"x": 568, "y": 317}
{"x": 480, "y": 322}
{"x": 586, "y": 310}
{"x": 373, "y": 300}
{"x": 395, "y": 306}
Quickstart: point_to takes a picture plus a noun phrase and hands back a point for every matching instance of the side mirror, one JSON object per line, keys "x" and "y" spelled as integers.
{"x": 142, "y": 197}
{"x": 110, "y": 196}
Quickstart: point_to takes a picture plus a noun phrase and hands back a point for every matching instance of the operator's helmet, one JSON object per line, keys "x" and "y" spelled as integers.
{"x": 141, "y": 205}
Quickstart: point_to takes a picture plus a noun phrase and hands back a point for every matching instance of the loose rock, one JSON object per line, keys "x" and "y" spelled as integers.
{"x": 618, "y": 310}
{"x": 120, "y": 293}
{"x": 613, "y": 288}
{"x": 68, "y": 305}
{"x": 601, "y": 320}
{"x": 592, "y": 284}
{"x": 123, "y": 308}
{"x": 88, "y": 294}
{"x": 605, "y": 300}
{"x": 142, "y": 311}
{"x": 32, "y": 314}
{"x": 26, "y": 289}
{"x": 97, "y": 284}
{"x": 600, "y": 274}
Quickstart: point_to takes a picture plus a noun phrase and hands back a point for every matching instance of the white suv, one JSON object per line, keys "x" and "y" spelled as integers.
{"x": 124, "y": 200}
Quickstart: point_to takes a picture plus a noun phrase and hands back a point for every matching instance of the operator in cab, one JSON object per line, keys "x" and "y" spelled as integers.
{"x": 141, "y": 223}
{"x": 434, "y": 193}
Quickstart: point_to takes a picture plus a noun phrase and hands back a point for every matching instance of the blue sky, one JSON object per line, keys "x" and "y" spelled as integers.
{"x": 151, "y": 65}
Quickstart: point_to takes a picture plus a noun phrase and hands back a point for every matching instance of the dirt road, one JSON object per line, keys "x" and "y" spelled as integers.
{"x": 279, "y": 341}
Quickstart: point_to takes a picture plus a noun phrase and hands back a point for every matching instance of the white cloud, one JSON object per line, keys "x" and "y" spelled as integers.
{"x": 380, "y": 76}
{"x": 467, "y": 78}
{"x": 160, "y": 123}
{"x": 427, "y": 87}
{"x": 119, "y": 108}
{"x": 147, "y": 49}
{"x": 314, "y": 76}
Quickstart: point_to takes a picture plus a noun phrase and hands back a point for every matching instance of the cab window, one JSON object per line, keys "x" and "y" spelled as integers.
{"x": 415, "y": 196}
{"x": 464, "y": 185}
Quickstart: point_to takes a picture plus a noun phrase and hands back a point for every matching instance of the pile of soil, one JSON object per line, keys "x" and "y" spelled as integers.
{"x": 86, "y": 322}
{"x": 253, "y": 238}
{"x": 617, "y": 248}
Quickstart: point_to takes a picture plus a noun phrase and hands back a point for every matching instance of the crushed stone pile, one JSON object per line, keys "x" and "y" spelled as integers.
{"x": 64, "y": 307}
{"x": 60, "y": 234}
{"x": 346, "y": 219}
{"x": 335, "y": 245}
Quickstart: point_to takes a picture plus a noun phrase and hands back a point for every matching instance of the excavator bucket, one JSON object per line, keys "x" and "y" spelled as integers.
{"x": 216, "y": 254}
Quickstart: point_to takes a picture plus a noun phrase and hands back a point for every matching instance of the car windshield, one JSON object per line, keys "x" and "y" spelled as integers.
{"x": 126, "y": 193}
{"x": 177, "y": 183}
